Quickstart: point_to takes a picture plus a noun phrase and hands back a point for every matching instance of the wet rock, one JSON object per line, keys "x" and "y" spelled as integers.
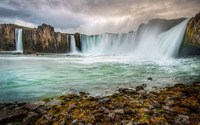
{"x": 147, "y": 111}
{"x": 179, "y": 85}
{"x": 141, "y": 123}
{"x": 170, "y": 103}
{"x": 107, "y": 119}
{"x": 7, "y": 116}
{"x": 119, "y": 111}
{"x": 156, "y": 104}
{"x": 128, "y": 111}
{"x": 182, "y": 120}
{"x": 117, "y": 118}
{"x": 75, "y": 122}
{"x": 31, "y": 106}
{"x": 48, "y": 117}
{"x": 30, "y": 119}
{"x": 150, "y": 79}
{"x": 71, "y": 106}
{"x": 62, "y": 122}
{"x": 42, "y": 111}
{"x": 104, "y": 100}
{"x": 170, "y": 111}
{"x": 196, "y": 84}
{"x": 138, "y": 88}
{"x": 127, "y": 91}
{"x": 144, "y": 95}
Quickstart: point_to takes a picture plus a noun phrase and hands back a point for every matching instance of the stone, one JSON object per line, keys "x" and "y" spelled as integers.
{"x": 7, "y": 116}
{"x": 104, "y": 100}
{"x": 156, "y": 104}
{"x": 31, "y": 106}
{"x": 71, "y": 106}
{"x": 151, "y": 79}
{"x": 75, "y": 122}
{"x": 42, "y": 111}
{"x": 30, "y": 119}
{"x": 117, "y": 118}
{"x": 107, "y": 119}
{"x": 128, "y": 111}
{"x": 48, "y": 117}
{"x": 170, "y": 111}
{"x": 182, "y": 120}
{"x": 62, "y": 122}
{"x": 138, "y": 88}
{"x": 119, "y": 111}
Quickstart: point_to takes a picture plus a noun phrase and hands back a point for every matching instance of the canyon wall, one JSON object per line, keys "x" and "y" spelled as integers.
{"x": 191, "y": 43}
{"x": 41, "y": 39}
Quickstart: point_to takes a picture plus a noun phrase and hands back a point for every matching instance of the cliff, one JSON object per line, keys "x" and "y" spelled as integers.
{"x": 191, "y": 44}
{"x": 41, "y": 39}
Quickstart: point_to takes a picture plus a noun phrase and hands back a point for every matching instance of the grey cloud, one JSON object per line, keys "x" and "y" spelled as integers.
{"x": 80, "y": 14}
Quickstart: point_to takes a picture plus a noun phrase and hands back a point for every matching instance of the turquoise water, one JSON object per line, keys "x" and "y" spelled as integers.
{"x": 29, "y": 78}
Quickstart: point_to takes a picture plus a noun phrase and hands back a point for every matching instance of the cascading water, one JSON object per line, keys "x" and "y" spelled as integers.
{"x": 170, "y": 41}
{"x": 108, "y": 43}
{"x": 18, "y": 40}
{"x": 150, "y": 45}
{"x": 73, "y": 48}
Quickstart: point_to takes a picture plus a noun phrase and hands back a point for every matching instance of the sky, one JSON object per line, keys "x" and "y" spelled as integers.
{"x": 93, "y": 16}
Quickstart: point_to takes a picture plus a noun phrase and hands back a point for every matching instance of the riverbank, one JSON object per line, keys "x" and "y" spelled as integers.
{"x": 179, "y": 105}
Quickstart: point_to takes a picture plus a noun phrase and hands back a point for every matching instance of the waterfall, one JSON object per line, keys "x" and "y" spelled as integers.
{"x": 151, "y": 44}
{"x": 108, "y": 43}
{"x": 170, "y": 41}
{"x": 18, "y": 40}
{"x": 73, "y": 48}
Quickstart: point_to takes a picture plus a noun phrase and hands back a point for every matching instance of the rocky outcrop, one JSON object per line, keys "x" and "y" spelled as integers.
{"x": 191, "y": 44}
{"x": 41, "y": 39}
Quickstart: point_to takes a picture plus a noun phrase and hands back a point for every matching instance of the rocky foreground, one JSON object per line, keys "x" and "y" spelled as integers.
{"x": 177, "y": 105}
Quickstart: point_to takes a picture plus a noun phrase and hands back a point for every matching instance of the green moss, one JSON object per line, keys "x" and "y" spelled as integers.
{"x": 159, "y": 111}
{"x": 197, "y": 88}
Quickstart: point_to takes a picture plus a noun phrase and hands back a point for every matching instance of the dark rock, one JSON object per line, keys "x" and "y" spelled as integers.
{"x": 119, "y": 111}
{"x": 48, "y": 117}
{"x": 196, "y": 84}
{"x": 150, "y": 79}
{"x": 62, "y": 122}
{"x": 141, "y": 123}
{"x": 107, "y": 119}
{"x": 128, "y": 111}
{"x": 138, "y": 88}
{"x": 71, "y": 106}
{"x": 104, "y": 100}
{"x": 7, "y": 116}
{"x": 30, "y": 119}
{"x": 31, "y": 106}
{"x": 75, "y": 122}
{"x": 179, "y": 85}
{"x": 42, "y": 111}
{"x": 156, "y": 104}
{"x": 182, "y": 120}
{"x": 170, "y": 111}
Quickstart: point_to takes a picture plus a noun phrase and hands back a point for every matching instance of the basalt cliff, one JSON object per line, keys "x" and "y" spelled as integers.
{"x": 41, "y": 39}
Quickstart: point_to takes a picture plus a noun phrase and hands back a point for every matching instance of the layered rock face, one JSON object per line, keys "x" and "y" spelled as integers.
{"x": 7, "y": 37}
{"x": 42, "y": 39}
{"x": 191, "y": 44}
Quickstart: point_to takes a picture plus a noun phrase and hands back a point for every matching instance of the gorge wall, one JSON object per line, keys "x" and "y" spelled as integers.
{"x": 191, "y": 43}
{"x": 41, "y": 39}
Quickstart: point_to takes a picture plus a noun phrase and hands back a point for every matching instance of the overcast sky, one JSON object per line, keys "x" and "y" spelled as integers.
{"x": 93, "y": 16}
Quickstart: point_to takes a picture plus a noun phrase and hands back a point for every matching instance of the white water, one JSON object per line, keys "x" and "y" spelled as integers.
{"x": 108, "y": 43}
{"x": 150, "y": 45}
{"x": 170, "y": 41}
{"x": 73, "y": 48}
{"x": 18, "y": 40}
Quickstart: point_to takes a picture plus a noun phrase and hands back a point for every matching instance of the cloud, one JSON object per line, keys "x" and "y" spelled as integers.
{"x": 96, "y": 16}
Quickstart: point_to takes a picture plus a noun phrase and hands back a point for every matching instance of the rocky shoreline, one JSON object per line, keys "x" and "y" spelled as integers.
{"x": 177, "y": 105}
